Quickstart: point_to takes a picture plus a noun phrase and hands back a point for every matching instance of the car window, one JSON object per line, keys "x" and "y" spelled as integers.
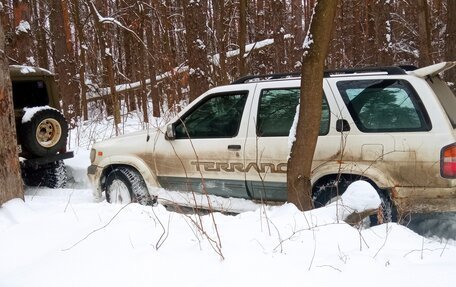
{"x": 276, "y": 111}
{"x": 29, "y": 94}
{"x": 218, "y": 116}
{"x": 384, "y": 105}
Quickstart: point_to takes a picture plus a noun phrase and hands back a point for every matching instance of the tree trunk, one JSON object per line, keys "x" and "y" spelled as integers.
{"x": 280, "y": 58}
{"x": 42, "y": 43}
{"x": 221, "y": 34}
{"x": 242, "y": 36}
{"x": 65, "y": 63}
{"x": 195, "y": 23}
{"x": 315, "y": 50}
{"x": 82, "y": 60}
{"x": 383, "y": 33}
{"x": 298, "y": 31}
{"x": 450, "y": 53}
{"x": 106, "y": 54}
{"x": 23, "y": 41}
{"x": 424, "y": 30}
{"x": 10, "y": 176}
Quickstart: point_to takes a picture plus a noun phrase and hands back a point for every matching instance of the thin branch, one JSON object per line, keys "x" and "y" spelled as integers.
{"x": 98, "y": 229}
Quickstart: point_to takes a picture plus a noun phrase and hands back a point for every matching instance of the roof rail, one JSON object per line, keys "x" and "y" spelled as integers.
{"x": 390, "y": 70}
{"x": 408, "y": 67}
{"x": 245, "y": 79}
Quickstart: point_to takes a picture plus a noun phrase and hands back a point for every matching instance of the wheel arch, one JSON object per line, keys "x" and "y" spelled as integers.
{"x": 134, "y": 163}
{"x": 364, "y": 171}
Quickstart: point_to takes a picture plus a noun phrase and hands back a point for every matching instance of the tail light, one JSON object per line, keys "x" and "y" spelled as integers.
{"x": 448, "y": 161}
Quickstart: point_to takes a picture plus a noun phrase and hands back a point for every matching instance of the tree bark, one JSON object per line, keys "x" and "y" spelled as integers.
{"x": 298, "y": 31}
{"x": 65, "y": 63}
{"x": 23, "y": 40}
{"x": 302, "y": 151}
{"x": 42, "y": 43}
{"x": 151, "y": 43}
{"x": 195, "y": 23}
{"x": 221, "y": 27}
{"x": 450, "y": 51}
{"x": 10, "y": 176}
{"x": 280, "y": 59}
{"x": 82, "y": 60}
{"x": 242, "y": 36}
{"x": 424, "y": 30}
{"x": 106, "y": 54}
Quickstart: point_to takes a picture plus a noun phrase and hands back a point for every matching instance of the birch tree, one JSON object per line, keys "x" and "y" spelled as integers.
{"x": 316, "y": 47}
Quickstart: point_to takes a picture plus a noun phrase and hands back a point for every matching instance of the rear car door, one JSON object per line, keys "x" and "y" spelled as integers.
{"x": 268, "y": 144}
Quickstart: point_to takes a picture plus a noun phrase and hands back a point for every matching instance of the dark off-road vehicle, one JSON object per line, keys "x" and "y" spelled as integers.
{"x": 41, "y": 129}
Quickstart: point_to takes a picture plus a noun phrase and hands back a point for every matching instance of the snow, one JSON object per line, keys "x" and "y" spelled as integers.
{"x": 66, "y": 237}
{"x": 294, "y": 126}
{"x": 27, "y": 69}
{"x": 30, "y": 112}
{"x": 23, "y": 27}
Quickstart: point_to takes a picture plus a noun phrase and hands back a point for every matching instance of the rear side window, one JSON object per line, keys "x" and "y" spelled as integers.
{"x": 29, "y": 94}
{"x": 218, "y": 116}
{"x": 277, "y": 109}
{"x": 384, "y": 105}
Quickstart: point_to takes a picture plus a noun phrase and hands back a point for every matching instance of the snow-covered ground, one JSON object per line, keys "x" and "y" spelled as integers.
{"x": 65, "y": 238}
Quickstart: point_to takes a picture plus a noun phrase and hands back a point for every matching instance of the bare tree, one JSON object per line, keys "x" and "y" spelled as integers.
{"x": 450, "y": 52}
{"x": 195, "y": 22}
{"x": 64, "y": 59}
{"x": 10, "y": 176}
{"x": 22, "y": 40}
{"x": 424, "y": 30}
{"x": 242, "y": 36}
{"x": 315, "y": 50}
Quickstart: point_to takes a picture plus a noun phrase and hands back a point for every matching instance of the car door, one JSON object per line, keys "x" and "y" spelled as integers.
{"x": 268, "y": 144}
{"x": 207, "y": 152}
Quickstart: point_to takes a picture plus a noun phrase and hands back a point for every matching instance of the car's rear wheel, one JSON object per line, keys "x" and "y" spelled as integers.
{"x": 330, "y": 190}
{"x": 52, "y": 175}
{"x": 125, "y": 185}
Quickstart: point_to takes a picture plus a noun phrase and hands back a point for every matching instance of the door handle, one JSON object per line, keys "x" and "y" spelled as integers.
{"x": 234, "y": 147}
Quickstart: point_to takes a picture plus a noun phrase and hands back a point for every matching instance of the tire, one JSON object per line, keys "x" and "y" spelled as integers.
{"x": 45, "y": 133}
{"x": 329, "y": 191}
{"x": 125, "y": 185}
{"x": 52, "y": 175}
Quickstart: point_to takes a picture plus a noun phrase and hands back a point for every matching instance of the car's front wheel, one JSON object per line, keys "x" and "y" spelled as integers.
{"x": 125, "y": 185}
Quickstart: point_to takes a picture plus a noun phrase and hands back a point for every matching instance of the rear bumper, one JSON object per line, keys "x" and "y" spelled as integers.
{"x": 424, "y": 200}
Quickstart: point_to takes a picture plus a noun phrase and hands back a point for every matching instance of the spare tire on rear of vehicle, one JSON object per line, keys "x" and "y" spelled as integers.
{"x": 44, "y": 132}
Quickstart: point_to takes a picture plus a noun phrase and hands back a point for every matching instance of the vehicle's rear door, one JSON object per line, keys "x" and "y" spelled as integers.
{"x": 268, "y": 144}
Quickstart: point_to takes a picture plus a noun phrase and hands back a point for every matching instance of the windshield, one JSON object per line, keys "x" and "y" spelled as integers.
{"x": 446, "y": 98}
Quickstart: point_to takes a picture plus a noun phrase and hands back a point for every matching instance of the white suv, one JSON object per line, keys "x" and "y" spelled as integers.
{"x": 392, "y": 126}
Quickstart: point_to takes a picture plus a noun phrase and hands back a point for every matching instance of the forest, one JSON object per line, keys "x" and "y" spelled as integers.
{"x": 161, "y": 54}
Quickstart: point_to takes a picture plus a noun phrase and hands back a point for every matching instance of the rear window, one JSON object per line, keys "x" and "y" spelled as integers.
{"x": 29, "y": 94}
{"x": 384, "y": 105}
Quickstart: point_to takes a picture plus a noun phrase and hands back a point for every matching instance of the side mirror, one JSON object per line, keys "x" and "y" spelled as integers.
{"x": 342, "y": 126}
{"x": 170, "y": 132}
